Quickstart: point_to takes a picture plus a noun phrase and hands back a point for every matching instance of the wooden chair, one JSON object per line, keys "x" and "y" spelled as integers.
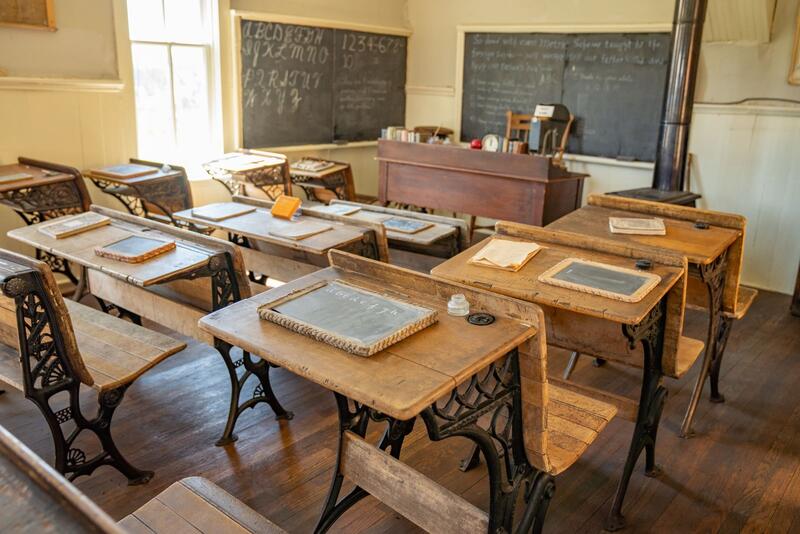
{"x": 518, "y": 125}
{"x": 62, "y": 346}
{"x": 37, "y": 499}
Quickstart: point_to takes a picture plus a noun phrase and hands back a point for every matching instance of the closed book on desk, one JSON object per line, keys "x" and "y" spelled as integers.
{"x": 222, "y": 210}
{"x": 126, "y": 170}
{"x": 134, "y": 249}
{"x": 634, "y": 226}
{"x": 505, "y": 254}
{"x": 298, "y": 230}
{"x": 77, "y": 224}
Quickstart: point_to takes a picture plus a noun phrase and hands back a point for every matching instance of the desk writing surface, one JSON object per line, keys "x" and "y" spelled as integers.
{"x": 335, "y": 169}
{"x": 158, "y": 175}
{"x": 257, "y": 224}
{"x": 427, "y": 236}
{"x": 80, "y": 249}
{"x": 699, "y": 246}
{"x": 524, "y": 284}
{"x": 401, "y": 380}
{"x": 39, "y": 177}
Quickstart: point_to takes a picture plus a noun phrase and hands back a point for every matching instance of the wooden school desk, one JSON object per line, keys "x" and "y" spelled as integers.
{"x": 156, "y": 196}
{"x": 450, "y": 374}
{"x": 327, "y": 184}
{"x": 601, "y": 326}
{"x": 714, "y": 250}
{"x": 54, "y": 190}
{"x": 270, "y": 175}
{"x": 286, "y": 259}
{"x": 174, "y": 289}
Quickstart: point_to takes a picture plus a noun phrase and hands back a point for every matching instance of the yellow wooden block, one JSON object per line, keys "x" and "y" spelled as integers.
{"x": 285, "y": 207}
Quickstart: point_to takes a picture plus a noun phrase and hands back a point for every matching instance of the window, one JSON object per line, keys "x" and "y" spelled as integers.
{"x": 172, "y": 48}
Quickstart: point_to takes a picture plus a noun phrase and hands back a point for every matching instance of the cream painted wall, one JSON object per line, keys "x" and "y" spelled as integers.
{"x": 82, "y": 47}
{"x": 746, "y": 157}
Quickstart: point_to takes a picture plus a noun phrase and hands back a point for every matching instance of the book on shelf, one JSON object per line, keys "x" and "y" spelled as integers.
{"x": 505, "y": 254}
{"x": 76, "y": 224}
{"x": 125, "y": 170}
{"x": 222, "y": 210}
{"x": 636, "y": 226}
{"x": 134, "y": 249}
{"x": 299, "y": 230}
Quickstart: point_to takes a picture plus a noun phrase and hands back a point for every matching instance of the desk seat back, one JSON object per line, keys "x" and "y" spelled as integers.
{"x": 46, "y": 341}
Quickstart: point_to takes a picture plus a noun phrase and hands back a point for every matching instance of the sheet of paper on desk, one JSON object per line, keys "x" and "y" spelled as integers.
{"x": 297, "y": 230}
{"x": 406, "y": 226}
{"x": 222, "y": 210}
{"x": 134, "y": 249}
{"x": 74, "y": 225}
{"x": 505, "y": 254}
{"x": 126, "y": 170}
{"x": 633, "y": 226}
{"x": 350, "y": 318}
{"x": 16, "y": 177}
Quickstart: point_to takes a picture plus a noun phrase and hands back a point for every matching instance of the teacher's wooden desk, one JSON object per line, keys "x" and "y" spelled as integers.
{"x": 175, "y": 289}
{"x": 455, "y": 375}
{"x": 286, "y": 259}
{"x": 646, "y": 334}
{"x": 52, "y": 190}
{"x": 712, "y": 243}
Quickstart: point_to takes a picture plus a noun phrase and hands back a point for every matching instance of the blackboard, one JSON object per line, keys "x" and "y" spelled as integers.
{"x": 347, "y": 317}
{"x": 316, "y": 85}
{"x": 612, "y": 82}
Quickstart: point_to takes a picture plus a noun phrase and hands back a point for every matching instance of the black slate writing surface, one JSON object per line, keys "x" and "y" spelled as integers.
{"x": 597, "y": 277}
{"x": 313, "y": 85}
{"x": 613, "y": 83}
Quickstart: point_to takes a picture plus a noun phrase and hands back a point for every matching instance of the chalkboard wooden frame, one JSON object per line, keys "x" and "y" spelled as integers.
{"x": 463, "y": 30}
{"x": 236, "y": 18}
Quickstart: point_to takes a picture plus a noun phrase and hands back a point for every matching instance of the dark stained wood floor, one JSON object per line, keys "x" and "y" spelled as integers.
{"x": 740, "y": 473}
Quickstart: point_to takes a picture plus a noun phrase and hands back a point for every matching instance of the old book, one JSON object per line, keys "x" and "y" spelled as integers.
{"x": 15, "y": 177}
{"x": 505, "y": 254}
{"x": 135, "y": 249}
{"x": 406, "y": 226}
{"x": 126, "y": 170}
{"x": 285, "y": 207}
{"x": 610, "y": 281}
{"x": 634, "y": 226}
{"x": 75, "y": 224}
{"x": 347, "y": 317}
{"x": 222, "y": 210}
{"x": 297, "y": 230}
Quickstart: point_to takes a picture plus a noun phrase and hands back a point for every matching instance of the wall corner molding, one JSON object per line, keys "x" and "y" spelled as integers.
{"x": 74, "y": 85}
{"x": 746, "y": 109}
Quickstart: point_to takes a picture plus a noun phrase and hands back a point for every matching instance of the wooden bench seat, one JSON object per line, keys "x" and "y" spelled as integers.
{"x": 196, "y": 505}
{"x": 746, "y": 297}
{"x": 116, "y": 352}
{"x": 573, "y": 423}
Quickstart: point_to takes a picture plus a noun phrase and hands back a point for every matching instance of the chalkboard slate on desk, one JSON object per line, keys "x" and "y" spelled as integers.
{"x": 612, "y": 83}
{"x": 314, "y": 85}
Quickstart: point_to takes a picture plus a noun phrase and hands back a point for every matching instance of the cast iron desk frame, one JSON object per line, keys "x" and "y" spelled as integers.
{"x": 272, "y": 179}
{"x": 228, "y": 285}
{"x": 495, "y": 381}
{"x": 712, "y": 268}
{"x": 54, "y": 191}
{"x": 657, "y": 331}
{"x": 337, "y": 179}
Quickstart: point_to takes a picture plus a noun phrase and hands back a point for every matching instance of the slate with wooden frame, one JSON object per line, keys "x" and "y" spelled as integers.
{"x": 348, "y": 317}
{"x": 617, "y": 283}
{"x": 30, "y": 14}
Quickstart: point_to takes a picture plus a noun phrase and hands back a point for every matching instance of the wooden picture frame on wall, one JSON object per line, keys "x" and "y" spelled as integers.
{"x": 794, "y": 69}
{"x": 28, "y": 14}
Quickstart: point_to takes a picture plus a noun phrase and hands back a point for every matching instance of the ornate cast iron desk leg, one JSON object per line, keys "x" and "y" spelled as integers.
{"x": 650, "y": 332}
{"x": 487, "y": 410}
{"x": 719, "y": 326}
